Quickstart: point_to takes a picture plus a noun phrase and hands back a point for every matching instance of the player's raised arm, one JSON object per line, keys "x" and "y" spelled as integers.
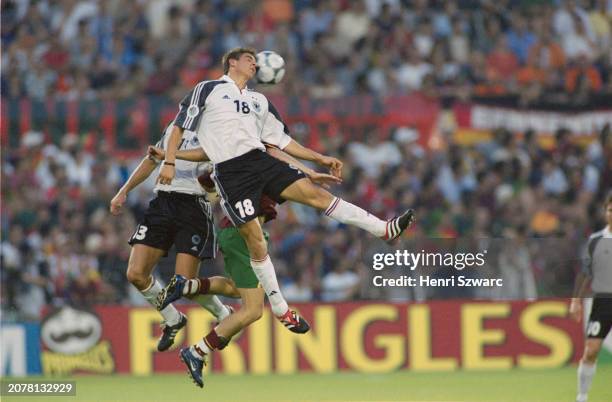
{"x": 140, "y": 174}
{"x": 319, "y": 178}
{"x": 188, "y": 117}
{"x": 191, "y": 155}
{"x": 167, "y": 172}
{"x": 301, "y": 152}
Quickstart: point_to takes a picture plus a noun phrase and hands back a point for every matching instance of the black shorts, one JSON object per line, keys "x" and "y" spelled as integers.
{"x": 600, "y": 320}
{"x": 242, "y": 180}
{"x": 181, "y": 219}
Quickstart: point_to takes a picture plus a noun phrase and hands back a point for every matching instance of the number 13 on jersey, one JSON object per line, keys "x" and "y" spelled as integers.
{"x": 245, "y": 208}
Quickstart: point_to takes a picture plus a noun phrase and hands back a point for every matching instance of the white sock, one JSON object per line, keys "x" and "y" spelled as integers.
{"x": 170, "y": 313}
{"x": 350, "y": 214}
{"x": 264, "y": 270}
{"x": 192, "y": 287}
{"x": 202, "y": 346}
{"x": 212, "y": 304}
{"x": 586, "y": 372}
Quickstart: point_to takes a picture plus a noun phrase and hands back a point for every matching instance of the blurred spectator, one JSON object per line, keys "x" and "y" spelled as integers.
{"x": 515, "y": 266}
{"x": 48, "y": 44}
{"x": 340, "y": 284}
{"x": 520, "y": 38}
{"x": 582, "y": 77}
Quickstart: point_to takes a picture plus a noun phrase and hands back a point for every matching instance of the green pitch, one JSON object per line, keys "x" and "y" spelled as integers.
{"x": 503, "y": 386}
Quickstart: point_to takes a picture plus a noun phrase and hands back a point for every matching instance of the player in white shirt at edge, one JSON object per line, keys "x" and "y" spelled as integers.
{"x": 597, "y": 271}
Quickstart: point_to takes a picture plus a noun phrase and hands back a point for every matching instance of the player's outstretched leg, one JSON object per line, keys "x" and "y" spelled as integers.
{"x": 305, "y": 192}
{"x": 194, "y": 366}
{"x": 179, "y": 286}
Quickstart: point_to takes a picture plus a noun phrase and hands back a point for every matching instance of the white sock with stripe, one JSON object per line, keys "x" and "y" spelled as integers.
{"x": 350, "y": 214}
{"x": 264, "y": 270}
{"x": 212, "y": 304}
{"x": 170, "y": 313}
{"x": 200, "y": 349}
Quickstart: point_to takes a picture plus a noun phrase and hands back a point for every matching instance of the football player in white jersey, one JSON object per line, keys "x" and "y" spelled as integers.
{"x": 179, "y": 215}
{"x": 233, "y": 123}
{"x": 598, "y": 271}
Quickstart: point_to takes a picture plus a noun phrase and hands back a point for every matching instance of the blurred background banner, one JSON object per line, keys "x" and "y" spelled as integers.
{"x": 364, "y": 337}
{"x": 129, "y": 125}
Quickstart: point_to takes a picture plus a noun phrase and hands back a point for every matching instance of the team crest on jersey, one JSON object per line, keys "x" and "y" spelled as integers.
{"x": 193, "y": 111}
{"x": 195, "y": 239}
{"x": 195, "y": 141}
{"x": 256, "y": 106}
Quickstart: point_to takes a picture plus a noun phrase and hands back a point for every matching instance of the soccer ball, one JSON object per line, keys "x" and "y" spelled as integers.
{"x": 271, "y": 67}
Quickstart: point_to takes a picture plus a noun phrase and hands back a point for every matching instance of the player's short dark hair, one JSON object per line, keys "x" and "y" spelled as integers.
{"x": 234, "y": 54}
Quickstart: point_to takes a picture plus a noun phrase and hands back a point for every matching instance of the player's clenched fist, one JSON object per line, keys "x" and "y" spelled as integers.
{"x": 117, "y": 203}
{"x": 334, "y": 165}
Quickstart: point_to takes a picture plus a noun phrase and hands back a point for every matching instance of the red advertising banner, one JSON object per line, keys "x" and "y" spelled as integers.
{"x": 475, "y": 122}
{"x": 365, "y": 337}
{"x": 129, "y": 125}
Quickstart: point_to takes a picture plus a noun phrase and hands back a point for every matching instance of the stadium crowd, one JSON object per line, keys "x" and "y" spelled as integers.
{"x": 555, "y": 52}
{"x": 61, "y": 245}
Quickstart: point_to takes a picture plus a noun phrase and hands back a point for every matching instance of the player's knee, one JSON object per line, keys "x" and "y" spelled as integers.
{"x": 590, "y": 354}
{"x": 136, "y": 278}
{"x": 320, "y": 198}
{"x": 253, "y": 314}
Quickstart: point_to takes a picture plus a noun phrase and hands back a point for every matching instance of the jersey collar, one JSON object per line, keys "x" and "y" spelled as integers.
{"x": 607, "y": 232}
{"x": 227, "y": 78}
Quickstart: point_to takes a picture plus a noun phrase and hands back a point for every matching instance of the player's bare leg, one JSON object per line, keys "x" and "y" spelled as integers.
{"x": 250, "y": 311}
{"x": 140, "y": 266}
{"x": 194, "y": 357}
{"x": 307, "y": 193}
{"x": 253, "y": 236}
{"x": 179, "y": 287}
{"x": 587, "y": 366}
{"x": 188, "y": 266}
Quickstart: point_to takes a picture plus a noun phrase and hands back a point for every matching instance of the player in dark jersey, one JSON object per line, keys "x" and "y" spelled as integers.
{"x": 179, "y": 215}
{"x": 598, "y": 271}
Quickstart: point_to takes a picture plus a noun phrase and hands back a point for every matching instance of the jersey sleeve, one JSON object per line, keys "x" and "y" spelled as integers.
{"x": 275, "y": 131}
{"x": 193, "y": 104}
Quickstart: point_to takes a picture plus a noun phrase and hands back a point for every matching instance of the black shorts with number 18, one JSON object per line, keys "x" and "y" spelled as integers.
{"x": 184, "y": 220}
{"x": 242, "y": 180}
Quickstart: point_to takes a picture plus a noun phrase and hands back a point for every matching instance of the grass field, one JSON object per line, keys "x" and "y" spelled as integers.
{"x": 507, "y": 386}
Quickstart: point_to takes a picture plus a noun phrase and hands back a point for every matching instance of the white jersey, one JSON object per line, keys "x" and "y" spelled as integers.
{"x": 186, "y": 177}
{"x": 230, "y": 122}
